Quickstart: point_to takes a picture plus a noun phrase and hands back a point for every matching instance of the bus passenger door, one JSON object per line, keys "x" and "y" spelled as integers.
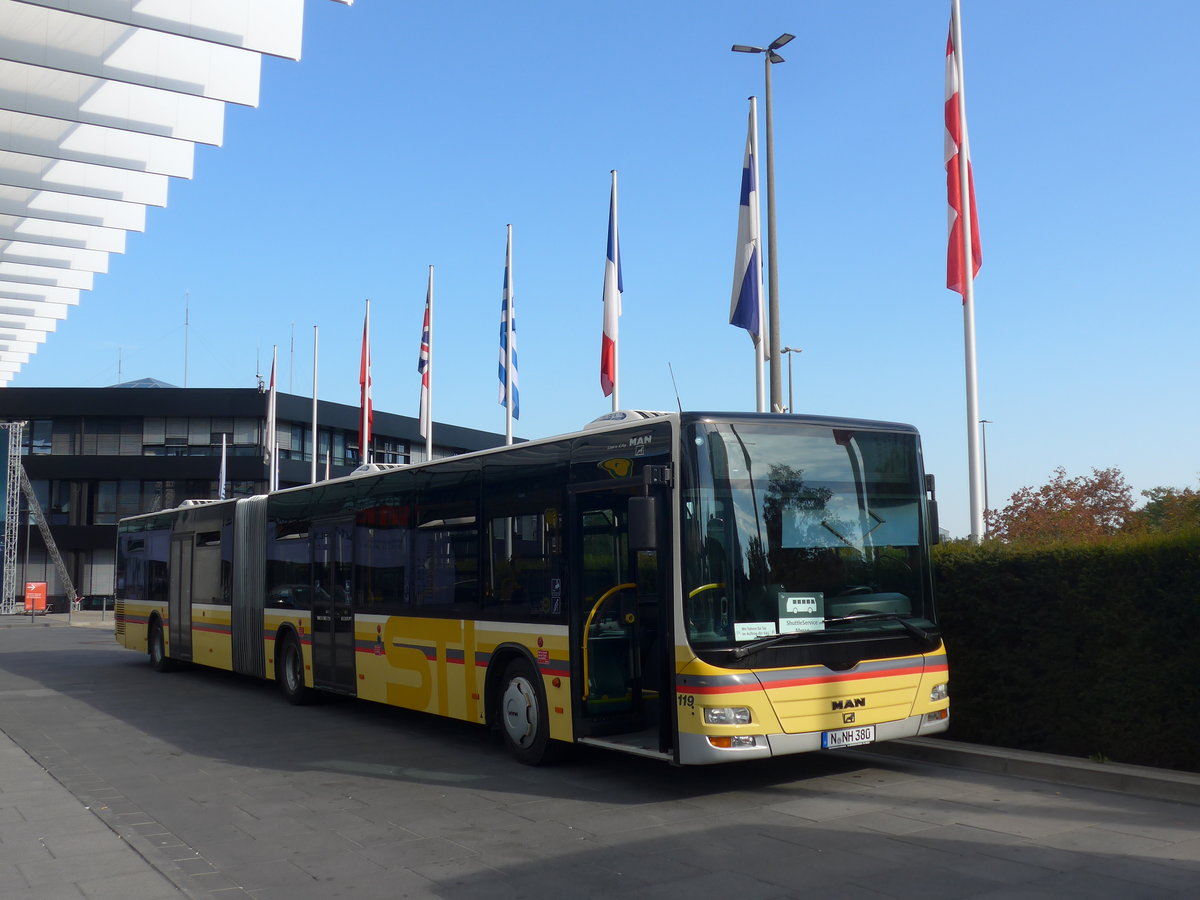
{"x": 179, "y": 598}
{"x": 332, "y": 612}
{"x": 617, "y": 625}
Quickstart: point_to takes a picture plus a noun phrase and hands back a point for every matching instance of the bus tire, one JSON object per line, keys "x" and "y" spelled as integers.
{"x": 157, "y": 649}
{"x": 289, "y": 672}
{"x": 524, "y": 718}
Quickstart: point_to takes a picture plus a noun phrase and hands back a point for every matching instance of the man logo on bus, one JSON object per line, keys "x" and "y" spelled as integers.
{"x": 856, "y": 703}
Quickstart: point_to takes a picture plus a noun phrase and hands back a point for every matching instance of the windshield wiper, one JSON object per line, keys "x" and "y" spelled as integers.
{"x": 925, "y": 638}
{"x": 746, "y": 649}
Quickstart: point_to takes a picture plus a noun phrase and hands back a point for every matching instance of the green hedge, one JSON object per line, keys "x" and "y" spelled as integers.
{"x": 1090, "y": 651}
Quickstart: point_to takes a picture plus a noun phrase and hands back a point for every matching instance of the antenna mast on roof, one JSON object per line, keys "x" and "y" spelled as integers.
{"x": 186, "y": 316}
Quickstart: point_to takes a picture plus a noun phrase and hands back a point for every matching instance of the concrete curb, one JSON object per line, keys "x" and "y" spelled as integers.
{"x": 1138, "y": 781}
{"x": 84, "y": 618}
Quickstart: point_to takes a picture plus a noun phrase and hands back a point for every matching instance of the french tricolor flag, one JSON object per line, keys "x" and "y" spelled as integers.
{"x": 614, "y": 286}
{"x": 746, "y": 306}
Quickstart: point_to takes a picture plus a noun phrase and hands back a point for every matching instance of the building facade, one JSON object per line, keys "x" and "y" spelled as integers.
{"x": 96, "y": 455}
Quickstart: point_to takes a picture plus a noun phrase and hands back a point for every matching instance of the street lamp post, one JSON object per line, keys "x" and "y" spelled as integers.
{"x": 789, "y": 351}
{"x": 983, "y": 424}
{"x": 770, "y": 58}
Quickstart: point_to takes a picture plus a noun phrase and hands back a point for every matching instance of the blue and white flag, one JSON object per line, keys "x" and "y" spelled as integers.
{"x": 746, "y": 306}
{"x": 508, "y": 340}
{"x": 221, "y": 483}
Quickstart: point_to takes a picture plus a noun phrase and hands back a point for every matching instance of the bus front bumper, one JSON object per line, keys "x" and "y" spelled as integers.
{"x": 697, "y": 750}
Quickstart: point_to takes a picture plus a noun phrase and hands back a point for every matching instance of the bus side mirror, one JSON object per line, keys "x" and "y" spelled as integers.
{"x": 643, "y": 523}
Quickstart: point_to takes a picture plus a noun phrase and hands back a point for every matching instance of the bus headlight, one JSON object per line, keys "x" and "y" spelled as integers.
{"x": 939, "y": 692}
{"x": 726, "y": 715}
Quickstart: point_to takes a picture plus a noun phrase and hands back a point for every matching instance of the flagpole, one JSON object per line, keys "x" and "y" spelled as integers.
{"x": 313, "y": 469}
{"x": 364, "y": 380}
{"x": 508, "y": 342}
{"x": 429, "y": 377}
{"x": 273, "y": 469}
{"x": 772, "y": 255}
{"x": 221, "y": 485}
{"x": 760, "y": 347}
{"x": 974, "y": 457}
{"x": 616, "y": 391}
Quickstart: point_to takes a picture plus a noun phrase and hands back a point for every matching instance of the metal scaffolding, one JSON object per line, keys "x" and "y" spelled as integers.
{"x": 12, "y": 513}
{"x": 16, "y": 483}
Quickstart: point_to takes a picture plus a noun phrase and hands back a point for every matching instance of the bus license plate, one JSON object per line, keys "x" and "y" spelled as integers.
{"x": 847, "y": 737}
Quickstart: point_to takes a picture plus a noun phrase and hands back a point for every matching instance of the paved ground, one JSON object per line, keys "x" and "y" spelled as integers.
{"x": 118, "y": 782}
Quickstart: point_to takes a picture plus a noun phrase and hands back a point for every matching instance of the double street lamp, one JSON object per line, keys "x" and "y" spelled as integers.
{"x": 770, "y": 58}
{"x": 983, "y": 424}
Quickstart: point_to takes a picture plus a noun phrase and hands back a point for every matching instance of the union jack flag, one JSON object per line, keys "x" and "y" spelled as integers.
{"x": 423, "y": 362}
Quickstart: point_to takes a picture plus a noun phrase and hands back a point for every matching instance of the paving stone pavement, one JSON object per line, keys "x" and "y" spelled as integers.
{"x": 52, "y": 846}
{"x": 116, "y": 782}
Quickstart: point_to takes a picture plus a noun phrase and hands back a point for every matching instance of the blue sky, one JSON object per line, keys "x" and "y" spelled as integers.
{"x": 411, "y": 134}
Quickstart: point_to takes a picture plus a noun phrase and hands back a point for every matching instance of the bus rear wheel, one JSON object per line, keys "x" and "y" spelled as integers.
{"x": 156, "y": 647}
{"x": 289, "y": 672}
{"x": 524, "y": 719}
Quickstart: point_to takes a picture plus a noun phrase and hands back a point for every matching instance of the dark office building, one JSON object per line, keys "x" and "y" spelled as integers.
{"x": 95, "y": 455}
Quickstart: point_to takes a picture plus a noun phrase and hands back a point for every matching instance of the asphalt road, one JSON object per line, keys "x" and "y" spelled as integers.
{"x": 198, "y": 783}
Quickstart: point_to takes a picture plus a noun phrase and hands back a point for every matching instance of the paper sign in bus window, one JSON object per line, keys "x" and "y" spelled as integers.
{"x": 801, "y": 612}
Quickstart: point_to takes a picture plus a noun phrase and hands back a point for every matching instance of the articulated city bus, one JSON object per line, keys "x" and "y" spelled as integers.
{"x": 691, "y": 587}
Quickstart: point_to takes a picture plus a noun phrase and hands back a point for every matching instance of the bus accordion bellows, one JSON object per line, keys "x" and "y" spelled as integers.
{"x": 691, "y": 587}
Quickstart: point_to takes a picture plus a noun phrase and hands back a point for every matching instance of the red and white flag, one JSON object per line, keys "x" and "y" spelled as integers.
{"x": 270, "y": 439}
{"x": 366, "y": 414}
{"x": 957, "y": 148}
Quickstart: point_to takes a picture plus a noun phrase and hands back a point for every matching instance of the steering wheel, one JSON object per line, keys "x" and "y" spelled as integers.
{"x": 853, "y": 589}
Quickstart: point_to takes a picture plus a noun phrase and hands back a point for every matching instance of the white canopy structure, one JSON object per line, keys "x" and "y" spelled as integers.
{"x": 101, "y": 102}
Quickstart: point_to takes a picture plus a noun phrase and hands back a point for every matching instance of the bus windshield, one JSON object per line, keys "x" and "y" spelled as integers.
{"x": 802, "y": 531}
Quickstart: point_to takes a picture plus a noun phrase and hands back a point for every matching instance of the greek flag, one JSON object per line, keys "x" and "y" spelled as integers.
{"x": 508, "y": 339}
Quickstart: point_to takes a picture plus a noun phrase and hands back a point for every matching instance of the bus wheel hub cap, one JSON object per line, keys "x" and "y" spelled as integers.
{"x": 520, "y": 711}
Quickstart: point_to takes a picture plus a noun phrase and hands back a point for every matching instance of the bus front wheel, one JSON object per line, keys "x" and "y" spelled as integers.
{"x": 289, "y": 672}
{"x": 524, "y": 718}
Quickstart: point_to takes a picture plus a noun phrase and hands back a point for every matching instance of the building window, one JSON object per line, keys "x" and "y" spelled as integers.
{"x": 129, "y": 498}
{"x": 41, "y": 436}
{"x": 66, "y": 436}
{"x": 389, "y": 450}
{"x": 200, "y": 434}
{"x": 104, "y": 503}
{"x": 291, "y": 442}
{"x": 246, "y": 438}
